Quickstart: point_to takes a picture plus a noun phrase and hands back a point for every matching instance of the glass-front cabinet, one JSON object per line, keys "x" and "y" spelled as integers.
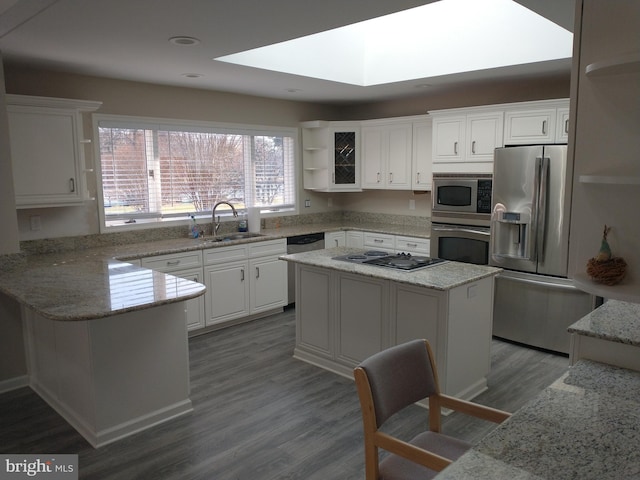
{"x": 331, "y": 156}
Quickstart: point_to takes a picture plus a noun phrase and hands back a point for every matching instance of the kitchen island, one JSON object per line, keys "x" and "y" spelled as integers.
{"x": 106, "y": 341}
{"x": 346, "y": 312}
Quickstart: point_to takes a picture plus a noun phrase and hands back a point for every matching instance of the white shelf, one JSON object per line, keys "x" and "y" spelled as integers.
{"x": 626, "y": 292}
{"x": 610, "y": 179}
{"x": 624, "y": 64}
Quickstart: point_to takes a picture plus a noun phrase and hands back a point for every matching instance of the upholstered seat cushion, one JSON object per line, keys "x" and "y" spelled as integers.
{"x": 394, "y": 467}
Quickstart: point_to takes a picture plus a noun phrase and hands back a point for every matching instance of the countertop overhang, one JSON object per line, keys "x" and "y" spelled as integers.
{"x": 443, "y": 276}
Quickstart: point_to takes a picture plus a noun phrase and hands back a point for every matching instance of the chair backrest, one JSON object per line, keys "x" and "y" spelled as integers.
{"x": 400, "y": 376}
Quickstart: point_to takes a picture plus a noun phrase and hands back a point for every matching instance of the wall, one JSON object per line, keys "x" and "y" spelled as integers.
{"x": 607, "y": 138}
{"x": 132, "y": 98}
{"x": 9, "y": 237}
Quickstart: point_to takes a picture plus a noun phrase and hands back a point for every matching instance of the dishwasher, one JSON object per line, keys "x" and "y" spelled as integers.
{"x": 299, "y": 244}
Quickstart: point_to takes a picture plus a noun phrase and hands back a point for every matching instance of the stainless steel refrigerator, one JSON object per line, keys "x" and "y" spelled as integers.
{"x": 534, "y": 301}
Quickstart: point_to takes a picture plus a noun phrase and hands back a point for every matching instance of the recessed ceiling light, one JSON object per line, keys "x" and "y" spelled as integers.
{"x": 184, "y": 41}
{"x": 192, "y": 75}
{"x": 293, "y": 90}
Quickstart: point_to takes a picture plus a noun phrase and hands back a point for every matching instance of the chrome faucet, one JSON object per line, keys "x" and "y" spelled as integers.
{"x": 215, "y": 225}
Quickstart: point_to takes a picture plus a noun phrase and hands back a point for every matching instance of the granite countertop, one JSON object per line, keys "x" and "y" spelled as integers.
{"x": 584, "y": 426}
{"x": 615, "y": 321}
{"x": 91, "y": 283}
{"x": 443, "y": 276}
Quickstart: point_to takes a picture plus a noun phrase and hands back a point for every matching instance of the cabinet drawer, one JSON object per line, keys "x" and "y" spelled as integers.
{"x": 412, "y": 245}
{"x": 173, "y": 261}
{"x": 379, "y": 240}
{"x": 269, "y": 247}
{"x": 224, "y": 254}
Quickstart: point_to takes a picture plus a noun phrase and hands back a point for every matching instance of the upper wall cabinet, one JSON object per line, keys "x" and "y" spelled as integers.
{"x": 47, "y": 150}
{"x": 464, "y": 142}
{"x": 331, "y": 156}
{"x": 386, "y": 155}
{"x": 537, "y": 123}
{"x": 421, "y": 156}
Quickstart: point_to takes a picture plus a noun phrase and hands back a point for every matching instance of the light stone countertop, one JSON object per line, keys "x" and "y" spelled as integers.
{"x": 586, "y": 425}
{"x": 443, "y": 276}
{"x": 86, "y": 282}
{"x": 615, "y": 321}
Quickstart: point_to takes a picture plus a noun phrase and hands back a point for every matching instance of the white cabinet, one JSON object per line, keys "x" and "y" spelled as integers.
{"x": 47, "y": 150}
{"x": 412, "y": 245}
{"x": 244, "y": 280}
{"x": 379, "y": 241}
{"x": 421, "y": 164}
{"x": 387, "y": 155}
{"x": 331, "y": 156}
{"x": 539, "y": 122}
{"x": 465, "y": 142}
{"x": 354, "y": 239}
{"x": 334, "y": 239}
{"x": 186, "y": 265}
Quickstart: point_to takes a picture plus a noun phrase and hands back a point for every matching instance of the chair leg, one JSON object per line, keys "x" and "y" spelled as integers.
{"x": 371, "y": 461}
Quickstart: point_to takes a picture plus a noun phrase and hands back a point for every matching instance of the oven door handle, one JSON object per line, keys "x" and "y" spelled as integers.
{"x": 477, "y": 231}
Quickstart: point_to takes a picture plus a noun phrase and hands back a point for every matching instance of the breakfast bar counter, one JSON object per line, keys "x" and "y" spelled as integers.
{"x": 583, "y": 426}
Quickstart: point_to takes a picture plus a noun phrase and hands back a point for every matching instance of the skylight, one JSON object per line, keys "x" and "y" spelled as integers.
{"x": 441, "y": 38}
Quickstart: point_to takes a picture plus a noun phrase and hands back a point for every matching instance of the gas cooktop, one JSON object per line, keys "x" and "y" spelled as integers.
{"x": 400, "y": 261}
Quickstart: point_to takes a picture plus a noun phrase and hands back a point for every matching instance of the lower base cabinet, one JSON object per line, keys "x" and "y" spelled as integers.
{"x": 342, "y": 318}
{"x": 244, "y": 280}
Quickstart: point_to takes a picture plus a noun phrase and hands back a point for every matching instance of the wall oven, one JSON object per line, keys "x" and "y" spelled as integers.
{"x": 460, "y": 217}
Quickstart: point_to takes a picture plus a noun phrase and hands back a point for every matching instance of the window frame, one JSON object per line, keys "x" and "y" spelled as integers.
{"x": 153, "y": 123}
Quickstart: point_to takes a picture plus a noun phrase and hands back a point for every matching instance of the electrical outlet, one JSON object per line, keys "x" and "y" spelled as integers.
{"x": 412, "y": 204}
{"x": 307, "y": 203}
{"x": 36, "y": 222}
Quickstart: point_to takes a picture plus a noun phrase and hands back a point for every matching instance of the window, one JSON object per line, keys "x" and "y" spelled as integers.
{"x": 154, "y": 172}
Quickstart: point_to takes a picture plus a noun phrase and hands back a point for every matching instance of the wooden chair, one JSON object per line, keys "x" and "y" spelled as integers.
{"x": 393, "y": 379}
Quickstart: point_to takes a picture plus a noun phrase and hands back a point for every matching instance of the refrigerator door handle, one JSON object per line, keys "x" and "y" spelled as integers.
{"x": 541, "y": 220}
{"x": 546, "y": 283}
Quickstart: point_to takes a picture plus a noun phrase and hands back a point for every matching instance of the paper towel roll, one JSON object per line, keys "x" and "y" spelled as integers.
{"x": 253, "y": 214}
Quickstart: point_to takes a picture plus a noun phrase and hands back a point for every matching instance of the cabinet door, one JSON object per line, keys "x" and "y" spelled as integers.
{"x": 334, "y": 239}
{"x": 227, "y": 294}
{"x": 532, "y": 126}
{"x": 421, "y": 156}
{"x": 354, "y": 239}
{"x": 345, "y": 159}
{"x": 195, "y": 306}
{"x": 46, "y": 156}
{"x": 415, "y": 313}
{"x": 398, "y": 153}
{"x": 373, "y": 167}
{"x": 448, "y": 139}
{"x": 362, "y": 320}
{"x": 484, "y": 135}
{"x": 562, "y": 126}
{"x": 268, "y": 283}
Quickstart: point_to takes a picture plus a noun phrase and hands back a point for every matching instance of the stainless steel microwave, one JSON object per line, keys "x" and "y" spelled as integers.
{"x": 461, "y": 194}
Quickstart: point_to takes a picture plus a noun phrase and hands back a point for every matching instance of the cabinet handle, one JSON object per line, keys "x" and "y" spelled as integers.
{"x": 337, "y": 243}
{"x": 333, "y": 178}
{"x": 242, "y": 274}
{"x": 544, "y": 127}
{"x": 455, "y": 148}
{"x": 418, "y": 177}
{"x": 257, "y": 272}
{"x": 412, "y": 245}
{"x": 72, "y": 185}
{"x": 195, "y": 279}
{"x": 378, "y": 240}
{"x": 390, "y": 177}
{"x": 378, "y": 177}
{"x": 566, "y": 126}
{"x": 173, "y": 262}
{"x": 473, "y": 147}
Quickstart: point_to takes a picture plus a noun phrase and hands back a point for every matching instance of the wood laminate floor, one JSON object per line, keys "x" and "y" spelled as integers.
{"x": 259, "y": 414}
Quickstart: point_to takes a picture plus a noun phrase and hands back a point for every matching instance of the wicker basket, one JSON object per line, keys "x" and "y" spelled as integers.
{"x": 609, "y": 272}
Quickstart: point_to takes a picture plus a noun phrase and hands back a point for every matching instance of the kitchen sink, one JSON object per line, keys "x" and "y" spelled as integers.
{"x": 232, "y": 236}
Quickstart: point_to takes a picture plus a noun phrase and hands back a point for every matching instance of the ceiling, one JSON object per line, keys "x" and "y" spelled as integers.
{"x": 128, "y": 39}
